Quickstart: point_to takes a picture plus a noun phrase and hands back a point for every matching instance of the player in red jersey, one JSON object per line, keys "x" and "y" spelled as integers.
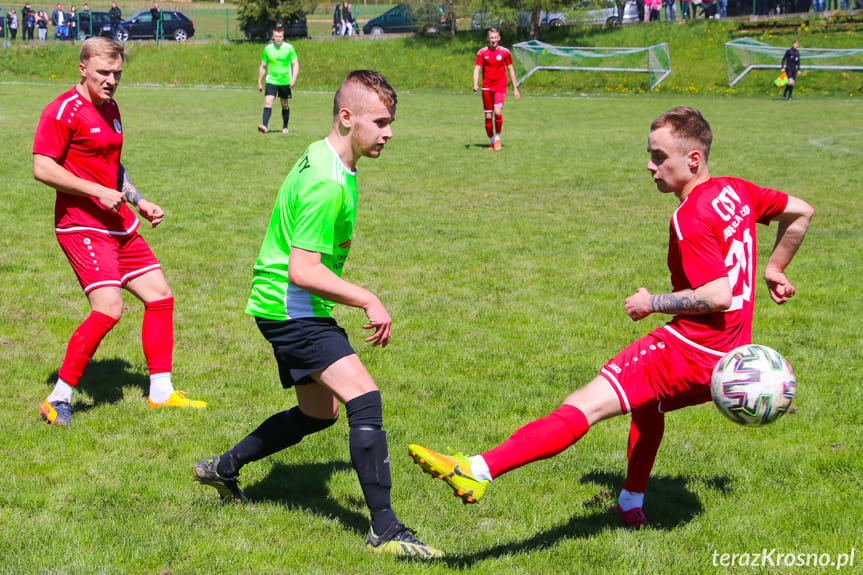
{"x": 711, "y": 256}
{"x": 494, "y": 62}
{"x": 76, "y": 151}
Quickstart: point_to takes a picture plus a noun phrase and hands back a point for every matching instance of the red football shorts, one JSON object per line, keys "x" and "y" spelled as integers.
{"x": 491, "y": 99}
{"x": 103, "y": 260}
{"x": 668, "y": 374}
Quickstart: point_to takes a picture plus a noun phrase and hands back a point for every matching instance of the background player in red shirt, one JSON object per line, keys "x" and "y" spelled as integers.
{"x": 495, "y": 62}
{"x": 76, "y": 151}
{"x": 711, "y": 256}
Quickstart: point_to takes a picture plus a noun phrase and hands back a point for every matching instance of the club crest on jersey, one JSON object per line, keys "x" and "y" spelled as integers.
{"x": 117, "y": 127}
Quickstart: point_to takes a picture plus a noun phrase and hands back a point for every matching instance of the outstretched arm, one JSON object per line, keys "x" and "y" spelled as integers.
{"x": 793, "y": 223}
{"x": 714, "y": 296}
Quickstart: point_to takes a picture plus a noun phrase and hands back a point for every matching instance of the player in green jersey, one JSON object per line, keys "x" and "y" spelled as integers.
{"x": 296, "y": 283}
{"x": 279, "y": 67}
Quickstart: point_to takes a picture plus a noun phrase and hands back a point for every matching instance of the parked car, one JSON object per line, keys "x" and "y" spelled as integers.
{"x": 402, "y": 19}
{"x": 94, "y": 26}
{"x": 606, "y": 13}
{"x": 175, "y": 25}
{"x": 295, "y": 26}
{"x": 486, "y": 20}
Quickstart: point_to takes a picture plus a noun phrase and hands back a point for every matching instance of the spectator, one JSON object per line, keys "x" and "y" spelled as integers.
{"x": 685, "y": 11}
{"x": 670, "y": 8}
{"x": 28, "y": 17}
{"x": 42, "y": 25}
{"x": 347, "y": 20}
{"x": 156, "y": 15}
{"x": 73, "y": 23}
{"x": 337, "y": 19}
{"x": 12, "y": 23}
{"x": 116, "y": 16}
{"x": 722, "y": 8}
{"x": 58, "y": 18}
{"x": 84, "y": 22}
{"x": 653, "y": 7}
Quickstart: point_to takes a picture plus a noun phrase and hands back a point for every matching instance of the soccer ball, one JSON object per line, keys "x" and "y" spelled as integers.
{"x": 753, "y": 385}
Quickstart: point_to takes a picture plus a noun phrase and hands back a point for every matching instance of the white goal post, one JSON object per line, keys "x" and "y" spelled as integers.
{"x": 746, "y": 54}
{"x": 529, "y": 57}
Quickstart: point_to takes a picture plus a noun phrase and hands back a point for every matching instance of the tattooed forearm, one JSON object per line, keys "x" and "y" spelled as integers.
{"x": 685, "y": 302}
{"x": 130, "y": 192}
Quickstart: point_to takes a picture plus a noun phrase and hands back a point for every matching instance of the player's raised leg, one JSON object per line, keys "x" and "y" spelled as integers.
{"x": 539, "y": 439}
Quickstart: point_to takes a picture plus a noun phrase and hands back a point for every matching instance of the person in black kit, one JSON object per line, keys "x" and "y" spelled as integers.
{"x": 790, "y": 65}
{"x": 116, "y": 17}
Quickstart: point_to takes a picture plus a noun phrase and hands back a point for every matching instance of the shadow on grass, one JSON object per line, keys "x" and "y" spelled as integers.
{"x": 670, "y": 505}
{"x": 103, "y": 382}
{"x": 304, "y": 487}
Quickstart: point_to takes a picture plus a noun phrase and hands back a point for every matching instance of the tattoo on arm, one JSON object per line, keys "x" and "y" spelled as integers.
{"x": 685, "y": 302}
{"x": 130, "y": 192}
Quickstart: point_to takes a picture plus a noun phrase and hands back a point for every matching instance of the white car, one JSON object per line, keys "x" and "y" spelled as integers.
{"x": 486, "y": 20}
{"x": 607, "y": 15}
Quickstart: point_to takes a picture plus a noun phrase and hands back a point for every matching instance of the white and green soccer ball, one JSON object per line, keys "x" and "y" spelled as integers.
{"x": 753, "y": 385}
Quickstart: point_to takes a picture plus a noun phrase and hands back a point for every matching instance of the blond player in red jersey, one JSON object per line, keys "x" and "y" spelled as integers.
{"x": 494, "y": 62}
{"x": 76, "y": 151}
{"x": 711, "y": 257}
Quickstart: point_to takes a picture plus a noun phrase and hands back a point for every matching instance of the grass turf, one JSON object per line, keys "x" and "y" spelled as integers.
{"x": 505, "y": 274}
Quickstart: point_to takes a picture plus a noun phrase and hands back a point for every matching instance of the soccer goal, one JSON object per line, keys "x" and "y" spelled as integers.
{"x": 746, "y": 54}
{"x": 529, "y": 57}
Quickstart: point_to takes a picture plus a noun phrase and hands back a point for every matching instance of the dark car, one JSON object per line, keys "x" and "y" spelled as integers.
{"x": 93, "y": 24}
{"x": 402, "y": 19}
{"x": 295, "y": 26}
{"x": 175, "y": 25}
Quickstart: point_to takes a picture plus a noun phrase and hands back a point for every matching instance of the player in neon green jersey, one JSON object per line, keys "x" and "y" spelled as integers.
{"x": 296, "y": 283}
{"x": 280, "y": 68}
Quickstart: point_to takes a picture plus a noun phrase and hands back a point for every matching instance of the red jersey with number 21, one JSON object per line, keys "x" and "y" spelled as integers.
{"x": 494, "y": 63}
{"x": 712, "y": 235}
{"x": 87, "y": 141}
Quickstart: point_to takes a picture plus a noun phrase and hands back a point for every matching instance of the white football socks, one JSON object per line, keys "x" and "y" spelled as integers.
{"x": 479, "y": 468}
{"x": 629, "y": 500}
{"x": 62, "y": 392}
{"x": 161, "y": 387}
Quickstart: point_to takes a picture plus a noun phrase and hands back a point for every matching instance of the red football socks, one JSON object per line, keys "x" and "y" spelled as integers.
{"x": 539, "y": 439}
{"x": 83, "y": 344}
{"x": 498, "y": 124}
{"x": 157, "y": 335}
{"x": 645, "y": 435}
{"x": 488, "y": 128}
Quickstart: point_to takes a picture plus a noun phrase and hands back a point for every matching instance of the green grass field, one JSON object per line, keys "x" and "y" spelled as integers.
{"x": 505, "y": 274}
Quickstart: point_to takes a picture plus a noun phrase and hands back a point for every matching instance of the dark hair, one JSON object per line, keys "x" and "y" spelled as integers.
{"x": 370, "y": 80}
{"x": 689, "y": 126}
{"x": 278, "y": 28}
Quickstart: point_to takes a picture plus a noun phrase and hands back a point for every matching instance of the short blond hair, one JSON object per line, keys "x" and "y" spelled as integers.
{"x": 99, "y": 46}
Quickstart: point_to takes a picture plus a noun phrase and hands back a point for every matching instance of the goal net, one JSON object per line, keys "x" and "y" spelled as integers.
{"x": 746, "y": 54}
{"x": 529, "y": 57}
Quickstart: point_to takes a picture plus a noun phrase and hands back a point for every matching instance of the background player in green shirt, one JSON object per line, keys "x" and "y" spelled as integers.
{"x": 280, "y": 67}
{"x": 296, "y": 283}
